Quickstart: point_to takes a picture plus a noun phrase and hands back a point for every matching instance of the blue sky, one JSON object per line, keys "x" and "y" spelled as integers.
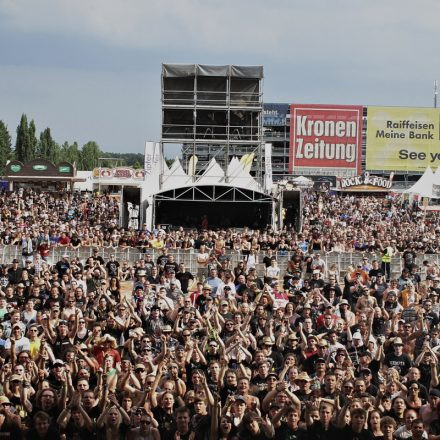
{"x": 90, "y": 69}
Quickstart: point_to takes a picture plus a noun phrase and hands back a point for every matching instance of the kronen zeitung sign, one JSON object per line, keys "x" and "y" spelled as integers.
{"x": 365, "y": 179}
{"x": 325, "y": 137}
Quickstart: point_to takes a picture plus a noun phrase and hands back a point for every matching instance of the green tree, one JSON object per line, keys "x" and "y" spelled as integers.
{"x": 23, "y": 145}
{"x": 5, "y": 146}
{"x": 33, "y": 139}
{"x": 89, "y": 156}
{"x": 69, "y": 153}
{"x": 47, "y": 147}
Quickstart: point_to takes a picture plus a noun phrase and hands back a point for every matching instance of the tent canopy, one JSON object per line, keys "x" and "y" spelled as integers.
{"x": 186, "y": 70}
{"x": 423, "y": 187}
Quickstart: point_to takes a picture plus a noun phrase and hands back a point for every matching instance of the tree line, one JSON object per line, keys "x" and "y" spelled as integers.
{"x": 28, "y": 146}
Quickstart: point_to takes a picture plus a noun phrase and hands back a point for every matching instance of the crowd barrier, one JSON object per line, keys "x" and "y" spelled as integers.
{"x": 188, "y": 256}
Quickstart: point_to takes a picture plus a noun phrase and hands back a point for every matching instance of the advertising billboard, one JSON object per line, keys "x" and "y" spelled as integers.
{"x": 274, "y": 114}
{"x": 402, "y": 138}
{"x": 325, "y": 138}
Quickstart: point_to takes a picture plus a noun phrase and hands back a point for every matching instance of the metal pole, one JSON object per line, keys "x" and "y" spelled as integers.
{"x": 435, "y": 93}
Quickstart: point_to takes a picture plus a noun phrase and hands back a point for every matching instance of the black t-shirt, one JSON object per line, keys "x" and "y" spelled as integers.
{"x": 167, "y": 423}
{"x": 347, "y": 433}
{"x": 432, "y": 318}
{"x": 316, "y": 431}
{"x": 60, "y": 346}
{"x": 112, "y": 268}
{"x": 52, "y": 434}
{"x": 379, "y": 326}
{"x": 76, "y": 432}
{"x": 409, "y": 258}
{"x": 171, "y": 266}
{"x": 401, "y": 363}
{"x": 184, "y": 278}
{"x": 277, "y": 358}
{"x": 284, "y": 432}
{"x": 62, "y": 267}
{"x": 14, "y": 276}
{"x": 201, "y": 425}
{"x": 10, "y": 431}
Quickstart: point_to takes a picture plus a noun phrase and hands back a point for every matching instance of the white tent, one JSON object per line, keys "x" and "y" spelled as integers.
{"x": 212, "y": 175}
{"x": 423, "y": 187}
{"x": 302, "y": 181}
{"x": 175, "y": 176}
{"x": 238, "y": 176}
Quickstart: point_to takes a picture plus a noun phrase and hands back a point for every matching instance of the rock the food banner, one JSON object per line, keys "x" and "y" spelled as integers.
{"x": 366, "y": 180}
{"x": 402, "y": 138}
{"x": 325, "y": 138}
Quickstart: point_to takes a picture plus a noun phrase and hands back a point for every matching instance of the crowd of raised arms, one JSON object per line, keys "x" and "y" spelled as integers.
{"x": 243, "y": 348}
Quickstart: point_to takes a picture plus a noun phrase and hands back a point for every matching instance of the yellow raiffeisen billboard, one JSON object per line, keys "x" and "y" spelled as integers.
{"x": 402, "y": 138}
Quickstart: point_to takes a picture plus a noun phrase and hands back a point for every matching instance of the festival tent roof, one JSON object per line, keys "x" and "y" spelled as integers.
{"x": 423, "y": 187}
{"x": 175, "y": 176}
{"x": 302, "y": 181}
{"x": 212, "y": 175}
{"x": 238, "y": 176}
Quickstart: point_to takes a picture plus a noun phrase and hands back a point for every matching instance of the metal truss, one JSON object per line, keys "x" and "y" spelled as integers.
{"x": 214, "y": 194}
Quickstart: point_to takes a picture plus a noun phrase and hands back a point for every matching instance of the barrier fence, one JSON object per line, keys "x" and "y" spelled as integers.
{"x": 189, "y": 257}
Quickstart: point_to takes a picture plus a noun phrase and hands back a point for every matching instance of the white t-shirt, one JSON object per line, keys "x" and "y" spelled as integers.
{"x": 20, "y": 345}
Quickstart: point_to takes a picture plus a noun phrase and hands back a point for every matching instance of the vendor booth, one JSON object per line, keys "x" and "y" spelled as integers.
{"x": 41, "y": 174}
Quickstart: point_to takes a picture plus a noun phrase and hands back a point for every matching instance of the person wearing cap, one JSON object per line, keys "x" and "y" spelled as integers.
{"x": 317, "y": 282}
{"x": 397, "y": 359}
{"x": 107, "y": 347}
{"x": 203, "y": 298}
{"x": 276, "y": 356}
{"x": 391, "y": 304}
{"x": 226, "y": 288}
{"x": 235, "y": 407}
{"x": 63, "y": 265}
{"x": 154, "y": 322}
{"x": 171, "y": 278}
{"x": 302, "y": 381}
{"x": 291, "y": 345}
{"x": 225, "y": 310}
{"x": 174, "y": 292}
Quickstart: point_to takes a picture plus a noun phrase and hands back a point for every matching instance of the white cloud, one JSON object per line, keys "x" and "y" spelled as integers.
{"x": 341, "y": 51}
{"x": 305, "y": 28}
{"x": 112, "y": 109}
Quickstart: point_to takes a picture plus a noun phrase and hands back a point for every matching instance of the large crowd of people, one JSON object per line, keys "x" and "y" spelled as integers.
{"x": 111, "y": 349}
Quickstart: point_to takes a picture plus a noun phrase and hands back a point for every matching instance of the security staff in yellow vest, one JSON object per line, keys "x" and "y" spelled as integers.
{"x": 387, "y": 255}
